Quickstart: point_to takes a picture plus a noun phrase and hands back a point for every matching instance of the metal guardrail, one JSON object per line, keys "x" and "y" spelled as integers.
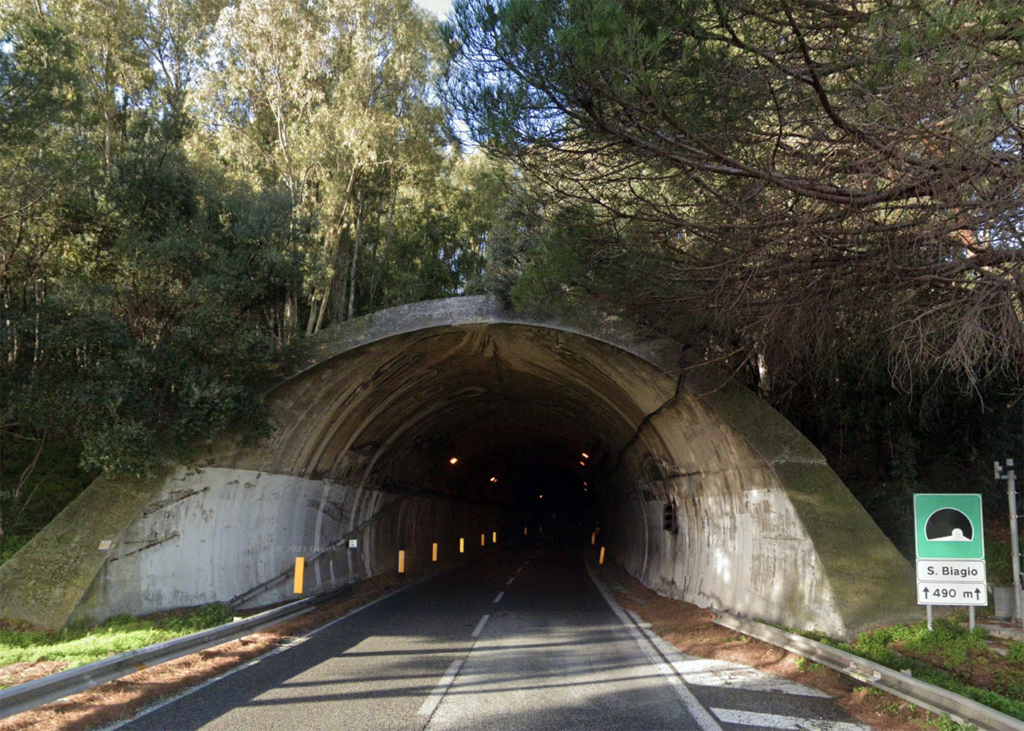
{"x": 26, "y": 696}
{"x": 918, "y": 692}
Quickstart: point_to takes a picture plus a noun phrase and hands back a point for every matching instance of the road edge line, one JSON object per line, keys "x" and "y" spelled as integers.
{"x": 701, "y": 715}
{"x": 294, "y": 642}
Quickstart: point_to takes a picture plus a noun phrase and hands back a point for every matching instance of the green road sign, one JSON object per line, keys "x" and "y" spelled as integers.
{"x": 949, "y": 526}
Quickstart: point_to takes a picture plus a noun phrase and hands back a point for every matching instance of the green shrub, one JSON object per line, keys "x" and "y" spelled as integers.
{"x": 1015, "y": 653}
{"x": 205, "y": 617}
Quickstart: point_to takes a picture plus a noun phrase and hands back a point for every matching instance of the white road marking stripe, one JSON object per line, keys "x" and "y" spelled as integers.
{"x": 721, "y": 674}
{"x": 509, "y": 582}
{"x": 699, "y": 713}
{"x": 434, "y": 699}
{"x": 498, "y": 598}
{"x": 786, "y": 723}
{"x": 480, "y": 625}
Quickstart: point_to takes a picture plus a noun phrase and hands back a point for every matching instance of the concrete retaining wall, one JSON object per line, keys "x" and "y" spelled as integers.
{"x": 230, "y": 535}
{"x": 766, "y": 529}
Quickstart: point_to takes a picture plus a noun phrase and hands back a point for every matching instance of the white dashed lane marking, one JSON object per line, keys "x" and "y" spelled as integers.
{"x": 434, "y": 699}
{"x": 480, "y": 625}
{"x": 498, "y": 598}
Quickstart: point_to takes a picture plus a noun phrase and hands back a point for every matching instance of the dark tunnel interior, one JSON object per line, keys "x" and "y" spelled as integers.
{"x": 534, "y": 422}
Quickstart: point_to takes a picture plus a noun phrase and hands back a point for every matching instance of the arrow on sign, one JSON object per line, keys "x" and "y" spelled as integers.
{"x": 925, "y": 592}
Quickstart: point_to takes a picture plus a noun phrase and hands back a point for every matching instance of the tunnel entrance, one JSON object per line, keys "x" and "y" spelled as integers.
{"x": 455, "y": 420}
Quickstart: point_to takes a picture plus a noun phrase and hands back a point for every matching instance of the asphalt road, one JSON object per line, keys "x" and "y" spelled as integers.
{"x": 551, "y": 654}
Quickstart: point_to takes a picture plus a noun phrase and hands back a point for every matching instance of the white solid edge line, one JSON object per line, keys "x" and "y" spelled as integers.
{"x": 697, "y": 711}
{"x": 480, "y": 626}
{"x": 434, "y": 699}
{"x": 498, "y": 598}
{"x": 244, "y": 666}
{"x": 788, "y": 723}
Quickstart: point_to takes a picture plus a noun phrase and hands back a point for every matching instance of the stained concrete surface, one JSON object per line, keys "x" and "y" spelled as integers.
{"x": 366, "y": 427}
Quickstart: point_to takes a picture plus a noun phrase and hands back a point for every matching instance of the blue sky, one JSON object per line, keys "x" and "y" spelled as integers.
{"x": 438, "y": 7}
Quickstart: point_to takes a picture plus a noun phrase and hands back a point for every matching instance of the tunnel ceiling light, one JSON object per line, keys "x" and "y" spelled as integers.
{"x": 586, "y": 456}
{"x": 494, "y": 479}
{"x": 583, "y": 463}
{"x": 453, "y": 460}
{"x": 541, "y": 497}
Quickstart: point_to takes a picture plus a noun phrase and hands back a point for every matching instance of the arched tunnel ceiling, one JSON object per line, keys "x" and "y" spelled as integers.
{"x": 389, "y": 415}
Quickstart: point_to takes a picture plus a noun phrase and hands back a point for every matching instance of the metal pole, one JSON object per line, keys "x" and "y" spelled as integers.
{"x": 970, "y": 620}
{"x": 1011, "y": 494}
{"x": 930, "y": 617}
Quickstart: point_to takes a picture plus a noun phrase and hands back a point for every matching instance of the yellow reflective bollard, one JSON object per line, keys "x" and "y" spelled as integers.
{"x": 401, "y": 562}
{"x": 593, "y": 538}
{"x": 525, "y": 529}
{"x": 462, "y": 545}
{"x": 494, "y": 537}
{"x": 483, "y": 540}
{"x": 601, "y": 560}
{"x": 300, "y": 570}
{"x": 435, "y": 552}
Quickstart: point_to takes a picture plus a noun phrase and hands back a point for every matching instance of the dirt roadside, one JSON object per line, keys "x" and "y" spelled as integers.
{"x": 691, "y": 630}
{"x": 123, "y": 698}
{"x": 687, "y": 627}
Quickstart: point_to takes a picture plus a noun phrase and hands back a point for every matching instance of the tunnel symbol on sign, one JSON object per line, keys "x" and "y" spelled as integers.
{"x": 949, "y": 524}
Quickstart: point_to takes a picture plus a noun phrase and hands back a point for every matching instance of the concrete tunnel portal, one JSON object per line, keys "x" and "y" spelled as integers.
{"x": 605, "y": 426}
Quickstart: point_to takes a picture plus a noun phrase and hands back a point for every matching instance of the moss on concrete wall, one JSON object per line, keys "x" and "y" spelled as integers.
{"x": 43, "y": 583}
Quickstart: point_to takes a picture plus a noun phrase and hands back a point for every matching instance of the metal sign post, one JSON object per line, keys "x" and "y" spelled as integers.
{"x": 1011, "y": 496}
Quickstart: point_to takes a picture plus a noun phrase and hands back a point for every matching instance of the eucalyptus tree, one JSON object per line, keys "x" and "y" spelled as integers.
{"x": 332, "y": 100}
{"x": 134, "y": 278}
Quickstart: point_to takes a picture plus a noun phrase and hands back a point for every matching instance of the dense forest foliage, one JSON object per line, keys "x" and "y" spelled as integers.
{"x": 189, "y": 187}
{"x": 821, "y": 196}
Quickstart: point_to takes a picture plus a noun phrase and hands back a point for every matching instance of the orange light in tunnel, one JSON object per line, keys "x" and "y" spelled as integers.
{"x": 494, "y": 479}
{"x": 541, "y": 496}
{"x": 583, "y": 463}
{"x": 453, "y": 460}
{"x": 586, "y": 456}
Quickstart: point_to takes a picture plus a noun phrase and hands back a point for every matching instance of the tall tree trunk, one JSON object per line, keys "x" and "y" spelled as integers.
{"x": 323, "y": 306}
{"x": 375, "y": 278}
{"x": 291, "y": 314}
{"x": 108, "y": 114}
{"x": 356, "y": 244}
{"x": 311, "y": 322}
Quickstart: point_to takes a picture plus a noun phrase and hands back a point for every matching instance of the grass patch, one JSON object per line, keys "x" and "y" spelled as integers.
{"x": 950, "y": 657}
{"x": 116, "y": 635}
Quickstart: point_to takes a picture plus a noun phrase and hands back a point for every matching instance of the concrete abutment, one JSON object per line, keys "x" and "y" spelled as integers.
{"x": 366, "y": 429}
